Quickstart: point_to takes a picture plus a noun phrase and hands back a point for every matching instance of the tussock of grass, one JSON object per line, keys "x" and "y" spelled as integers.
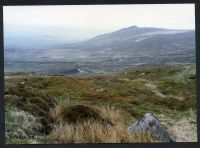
{"x": 95, "y": 132}
{"x": 91, "y": 129}
{"x": 64, "y": 112}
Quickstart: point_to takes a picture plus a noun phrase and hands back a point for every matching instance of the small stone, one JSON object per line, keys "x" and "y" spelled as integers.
{"x": 22, "y": 83}
{"x": 142, "y": 74}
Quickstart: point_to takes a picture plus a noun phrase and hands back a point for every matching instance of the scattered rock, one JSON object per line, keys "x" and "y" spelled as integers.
{"x": 149, "y": 124}
{"x": 23, "y": 83}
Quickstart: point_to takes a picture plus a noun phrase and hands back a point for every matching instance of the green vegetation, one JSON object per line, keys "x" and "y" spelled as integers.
{"x": 65, "y": 105}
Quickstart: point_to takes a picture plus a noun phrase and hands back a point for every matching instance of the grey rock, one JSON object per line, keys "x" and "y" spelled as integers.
{"x": 149, "y": 124}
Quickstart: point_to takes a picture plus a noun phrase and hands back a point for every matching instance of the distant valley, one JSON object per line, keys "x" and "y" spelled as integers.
{"x": 132, "y": 47}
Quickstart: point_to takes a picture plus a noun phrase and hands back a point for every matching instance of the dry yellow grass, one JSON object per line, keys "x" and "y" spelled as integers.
{"x": 89, "y": 131}
{"x": 57, "y": 111}
{"x": 94, "y": 132}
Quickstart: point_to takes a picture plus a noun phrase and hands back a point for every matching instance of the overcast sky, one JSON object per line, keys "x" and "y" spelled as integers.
{"x": 102, "y": 18}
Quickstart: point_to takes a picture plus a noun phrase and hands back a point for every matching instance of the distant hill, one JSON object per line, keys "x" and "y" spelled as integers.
{"x": 125, "y": 48}
{"x": 136, "y": 41}
{"x": 137, "y": 45}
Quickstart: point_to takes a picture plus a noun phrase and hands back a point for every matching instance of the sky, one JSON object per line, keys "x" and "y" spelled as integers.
{"x": 97, "y": 19}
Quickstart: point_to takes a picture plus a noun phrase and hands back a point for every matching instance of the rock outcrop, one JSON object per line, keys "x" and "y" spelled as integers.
{"x": 149, "y": 124}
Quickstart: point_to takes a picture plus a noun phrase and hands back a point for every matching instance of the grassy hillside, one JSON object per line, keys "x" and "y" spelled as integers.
{"x": 97, "y": 108}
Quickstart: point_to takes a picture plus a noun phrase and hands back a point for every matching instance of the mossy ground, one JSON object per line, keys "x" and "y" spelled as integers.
{"x": 161, "y": 90}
